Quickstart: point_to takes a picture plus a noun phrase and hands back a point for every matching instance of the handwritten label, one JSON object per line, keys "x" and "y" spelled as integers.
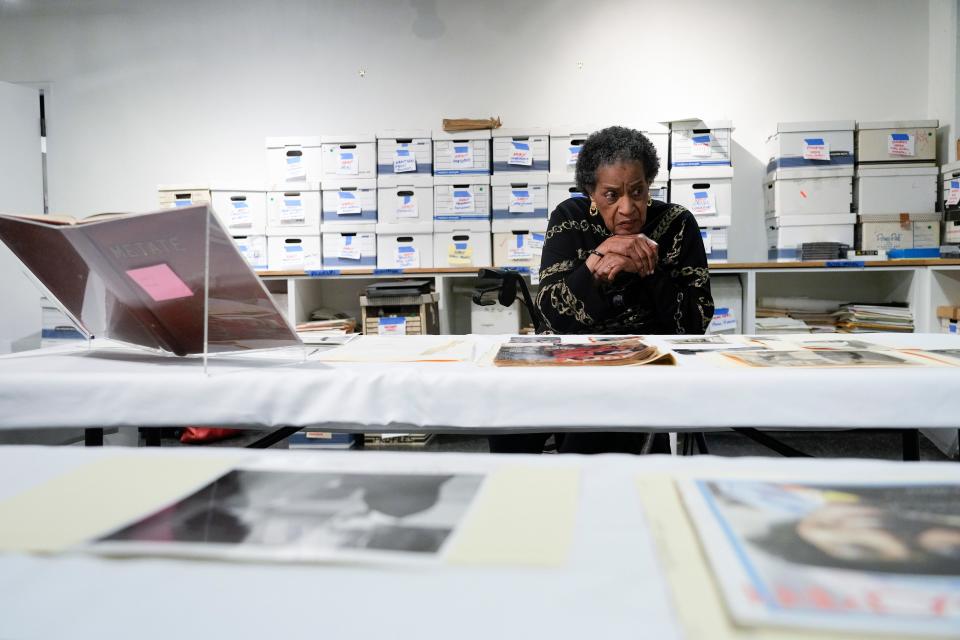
{"x": 407, "y": 206}
{"x": 536, "y": 250}
{"x": 816, "y": 149}
{"x": 292, "y": 256}
{"x": 705, "y": 237}
{"x": 953, "y": 196}
{"x": 392, "y": 326}
{"x": 407, "y": 256}
{"x": 703, "y": 202}
{"x": 348, "y": 162}
{"x": 347, "y": 203}
{"x": 404, "y": 160}
{"x": 295, "y": 168}
{"x": 349, "y": 250}
{"x": 463, "y": 201}
{"x": 723, "y": 320}
{"x": 520, "y": 201}
{"x": 700, "y": 147}
{"x": 519, "y": 249}
{"x": 520, "y": 154}
{"x": 536, "y": 241}
{"x": 462, "y": 155}
{"x": 901, "y": 144}
{"x": 240, "y": 214}
{"x": 160, "y": 282}
{"x": 573, "y": 152}
{"x": 291, "y": 212}
{"x": 460, "y": 254}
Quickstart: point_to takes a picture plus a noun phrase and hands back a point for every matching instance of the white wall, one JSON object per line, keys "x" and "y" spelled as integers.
{"x": 147, "y": 93}
{"x": 944, "y": 72}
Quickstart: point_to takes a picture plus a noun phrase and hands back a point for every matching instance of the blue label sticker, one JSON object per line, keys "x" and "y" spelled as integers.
{"x": 575, "y": 148}
{"x": 460, "y": 149}
{"x": 520, "y": 238}
{"x": 405, "y": 249}
{"x": 538, "y": 237}
{"x": 521, "y": 146}
{"x": 703, "y": 234}
{"x": 381, "y": 272}
{"x": 955, "y": 184}
{"x": 403, "y": 152}
{"x": 182, "y": 203}
{"x": 813, "y": 140}
{"x": 291, "y": 203}
{"x": 722, "y": 311}
{"x": 460, "y": 246}
{"x": 521, "y": 194}
{"x": 701, "y": 139}
{"x": 389, "y": 321}
{"x": 316, "y": 273}
{"x": 240, "y": 205}
{"x": 845, "y": 263}
{"x": 293, "y": 247}
{"x": 293, "y": 159}
{"x": 347, "y": 240}
{"x": 899, "y": 136}
{"x": 700, "y": 195}
{"x": 347, "y": 195}
{"x": 346, "y": 155}
{"x": 461, "y": 194}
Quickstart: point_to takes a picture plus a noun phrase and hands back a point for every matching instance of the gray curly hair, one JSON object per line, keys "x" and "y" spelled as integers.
{"x": 612, "y": 145}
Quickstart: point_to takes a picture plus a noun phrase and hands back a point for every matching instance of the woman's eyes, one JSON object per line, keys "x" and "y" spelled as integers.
{"x": 636, "y": 194}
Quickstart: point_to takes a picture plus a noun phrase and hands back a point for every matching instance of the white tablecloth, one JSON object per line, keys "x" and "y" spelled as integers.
{"x": 610, "y": 587}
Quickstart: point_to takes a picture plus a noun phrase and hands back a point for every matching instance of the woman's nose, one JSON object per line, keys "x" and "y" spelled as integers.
{"x": 624, "y": 205}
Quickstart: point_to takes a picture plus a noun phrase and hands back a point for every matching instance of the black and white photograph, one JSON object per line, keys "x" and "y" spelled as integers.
{"x": 305, "y": 516}
{"x": 820, "y": 359}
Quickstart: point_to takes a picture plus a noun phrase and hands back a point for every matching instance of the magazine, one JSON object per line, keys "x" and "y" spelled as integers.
{"x": 627, "y": 351}
{"x": 878, "y": 558}
{"x": 820, "y": 358}
{"x": 263, "y": 514}
{"x": 142, "y": 279}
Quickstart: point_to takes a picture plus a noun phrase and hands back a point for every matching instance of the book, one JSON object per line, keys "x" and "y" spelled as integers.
{"x": 878, "y": 558}
{"x": 623, "y": 351}
{"x": 142, "y": 279}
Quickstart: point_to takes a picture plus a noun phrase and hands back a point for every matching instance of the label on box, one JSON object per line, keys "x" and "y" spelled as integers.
{"x": 291, "y": 212}
{"x": 723, "y": 320}
{"x": 182, "y": 202}
{"x": 348, "y": 203}
{"x": 901, "y": 144}
{"x": 951, "y": 232}
{"x": 705, "y": 237}
{"x": 953, "y": 196}
{"x": 407, "y": 256}
{"x": 459, "y": 254}
{"x": 348, "y": 162}
{"x": 573, "y": 153}
{"x": 520, "y": 154}
{"x": 926, "y": 235}
{"x": 887, "y": 241}
{"x": 349, "y": 248}
{"x": 520, "y": 201}
{"x": 392, "y": 326}
{"x": 519, "y": 249}
{"x": 292, "y": 255}
{"x": 240, "y": 214}
{"x": 462, "y": 155}
{"x": 703, "y": 202}
{"x": 463, "y": 200}
{"x": 407, "y": 205}
{"x": 295, "y": 168}
{"x": 700, "y": 147}
{"x": 816, "y": 149}
{"x": 404, "y": 160}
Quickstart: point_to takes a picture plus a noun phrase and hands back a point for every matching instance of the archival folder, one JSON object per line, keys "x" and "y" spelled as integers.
{"x": 171, "y": 280}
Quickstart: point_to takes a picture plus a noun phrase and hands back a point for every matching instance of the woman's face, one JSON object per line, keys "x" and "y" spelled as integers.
{"x": 621, "y": 196}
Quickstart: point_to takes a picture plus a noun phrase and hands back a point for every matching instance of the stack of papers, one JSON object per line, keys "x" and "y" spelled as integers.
{"x": 816, "y": 313}
{"x": 859, "y": 318}
{"x": 781, "y": 324}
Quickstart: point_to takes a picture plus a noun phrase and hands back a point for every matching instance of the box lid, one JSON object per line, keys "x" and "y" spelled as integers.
{"x": 687, "y": 124}
{"x": 406, "y": 228}
{"x": 293, "y": 188}
{"x": 348, "y": 138}
{"x": 574, "y": 130}
{"x": 901, "y": 217}
{"x": 900, "y": 124}
{"x": 951, "y": 170}
{"x": 393, "y": 134}
{"x": 811, "y": 220}
{"x": 187, "y": 186}
{"x": 238, "y": 189}
{"x": 523, "y": 225}
{"x": 713, "y": 222}
{"x": 893, "y": 172}
{"x": 361, "y": 230}
{"x": 707, "y": 171}
{"x": 333, "y": 184}
{"x": 468, "y": 178}
{"x": 293, "y": 141}
{"x": 652, "y": 127}
{"x": 813, "y": 127}
{"x": 808, "y": 173}
{"x": 393, "y": 180}
{"x": 474, "y": 134}
{"x": 519, "y": 132}
{"x": 465, "y": 225}
{"x": 532, "y": 178}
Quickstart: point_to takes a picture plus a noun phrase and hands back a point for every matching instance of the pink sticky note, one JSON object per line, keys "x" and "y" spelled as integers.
{"x": 160, "y": 282}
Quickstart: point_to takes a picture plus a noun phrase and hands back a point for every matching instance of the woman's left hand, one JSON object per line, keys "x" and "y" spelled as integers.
{"x": 612, "y": 264}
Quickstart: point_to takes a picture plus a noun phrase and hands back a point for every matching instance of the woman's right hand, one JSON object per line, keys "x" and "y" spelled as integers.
{"x": 640, "y": 251}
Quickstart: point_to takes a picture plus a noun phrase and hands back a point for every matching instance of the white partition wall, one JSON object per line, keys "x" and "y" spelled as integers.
{"x": 21, "y": 191}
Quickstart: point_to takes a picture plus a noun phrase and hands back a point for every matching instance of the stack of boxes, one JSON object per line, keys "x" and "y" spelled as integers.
{"x": 808, "y": 192}
{"x": 293, "y": 203}
{"x": 521, "y": 162}
{"x": 461, "y": 199}
{"x": 349, "y": 200}
{"x": 243, "y": 213}
{"x": 701, "y": 179}
{"x": 565, "y": 144}
{"x": 896, "y": 186}
{"x": 405, "y": 199}
{"x": 950, "y": 174}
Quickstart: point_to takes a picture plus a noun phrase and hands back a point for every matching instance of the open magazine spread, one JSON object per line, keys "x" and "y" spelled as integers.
{"x": 265, "y": 514}
{"x": 621, "y": 351}
{"x": 878, "y": 558}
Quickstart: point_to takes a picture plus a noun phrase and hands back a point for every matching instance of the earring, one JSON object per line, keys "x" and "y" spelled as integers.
{"x": 650, "y": 202}
{"x": 593, "y": 208}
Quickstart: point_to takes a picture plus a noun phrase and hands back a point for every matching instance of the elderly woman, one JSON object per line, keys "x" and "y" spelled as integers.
{"x": 618, "y": 262}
